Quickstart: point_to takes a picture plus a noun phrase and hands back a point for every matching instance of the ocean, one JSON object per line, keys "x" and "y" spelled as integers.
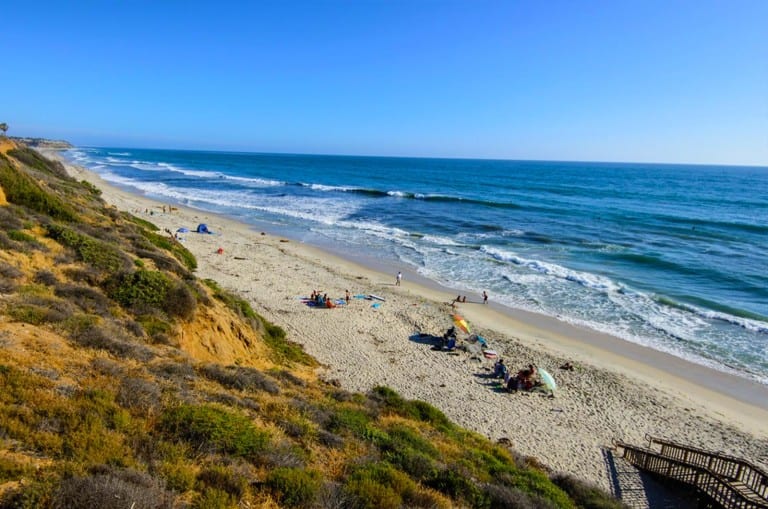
{"x": 668, "y": 256}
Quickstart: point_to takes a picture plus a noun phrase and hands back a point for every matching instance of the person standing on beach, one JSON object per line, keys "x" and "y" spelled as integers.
{"x": 398, "y": 278}
{"x": 485, "y": 297}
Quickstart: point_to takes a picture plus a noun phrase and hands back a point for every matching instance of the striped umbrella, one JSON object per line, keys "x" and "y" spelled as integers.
{"x": 461, "y": 323}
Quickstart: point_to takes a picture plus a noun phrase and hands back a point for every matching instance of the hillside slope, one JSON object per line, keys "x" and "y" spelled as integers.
{"x": 128, "y": 382}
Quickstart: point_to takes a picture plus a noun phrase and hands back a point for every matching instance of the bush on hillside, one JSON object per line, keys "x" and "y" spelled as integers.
{"x": 34, "y": 160}
{"x": 212, "y": 429}
{"x": 20, "y": 189}
{"x": 586, "y": 494}
{"x": 95, "y": 252}
{"x": 108, "y": 488}
{"x": 294, "y": 487}
{"x": 240, "y": 378}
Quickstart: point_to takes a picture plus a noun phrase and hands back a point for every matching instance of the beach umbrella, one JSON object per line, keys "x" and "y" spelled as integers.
{"x": 547, "y": 379}
{"x": 462, "y": 324}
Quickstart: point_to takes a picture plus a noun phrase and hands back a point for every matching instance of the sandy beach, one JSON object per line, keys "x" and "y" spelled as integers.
{"x": 618, "y": 390}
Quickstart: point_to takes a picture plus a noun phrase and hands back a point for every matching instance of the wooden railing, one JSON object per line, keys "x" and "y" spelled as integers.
{"x": 725, "y": 480}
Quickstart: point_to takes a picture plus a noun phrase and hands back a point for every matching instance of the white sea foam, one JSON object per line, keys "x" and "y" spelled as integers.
{"x": 582, "y": 278}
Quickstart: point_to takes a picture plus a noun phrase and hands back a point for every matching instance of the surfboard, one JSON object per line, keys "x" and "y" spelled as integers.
{"x": 376, "y": 297}
{"x": 490, "y": 354}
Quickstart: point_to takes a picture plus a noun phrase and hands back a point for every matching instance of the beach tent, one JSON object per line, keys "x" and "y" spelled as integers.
{"x": 183, "y": 230}
{"x": 203, "y": 228}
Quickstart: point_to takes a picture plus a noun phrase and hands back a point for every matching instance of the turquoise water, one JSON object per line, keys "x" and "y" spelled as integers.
{"x": 669, "y": 256}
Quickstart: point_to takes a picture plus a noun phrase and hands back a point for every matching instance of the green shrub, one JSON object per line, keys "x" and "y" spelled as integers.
{"x": 380, "y": 485}
{"x": 21, "y": 189}
{"x": 456, "y": 486}
{"x": 95, "y": 191}
{"x": 143, "y": 289}
{"x": 585, "y": 494}
{"x": 369, "y": 494}
{"x": 179, "y": 476}
{"x": 180, "y": 252}
{"x": 97, "y": 253}
{"x": 35, "y": 160}
{"x": 141, "y": 222}
{"x": 534, "y": 482}
{"x": 20, "y": 236}
{"x": 180, "y": 301}
{"x": 211, "y": 429}
{"x": 213, "y": 498}
{"x": 349, "y": 419}
{"x": 294, "y": 487}
{"x": 414, "y": 409}
{"x": 225, "y": 479}
{"x": 241, "y": 378}
{"x": 405, "y": 437}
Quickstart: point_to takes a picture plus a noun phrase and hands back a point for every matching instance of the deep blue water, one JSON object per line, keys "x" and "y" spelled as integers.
{"x": 669, "y": 256}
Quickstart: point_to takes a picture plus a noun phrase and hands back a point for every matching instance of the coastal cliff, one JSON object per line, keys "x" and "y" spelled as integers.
{"x": 126, "y": 376}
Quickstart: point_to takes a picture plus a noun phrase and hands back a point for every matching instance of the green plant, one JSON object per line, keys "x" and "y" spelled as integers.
{"x": 294, "y": 487}
{"x": 208, "y": 428}
{"x": 143, "y": 289}
{"x": 213, "y": 498}
{"x": 585, "y": 494}
{"x": 241, "y": 378}
{"x": 20, "y": 236}
{"x": 20, "y": 189}
{"x": 97, "y": 253}
{"x": 180, "y": 252}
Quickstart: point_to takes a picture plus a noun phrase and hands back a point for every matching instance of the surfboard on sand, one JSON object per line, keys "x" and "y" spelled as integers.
{"x": 490, "y": 354}
{"x": 376, "y": 297}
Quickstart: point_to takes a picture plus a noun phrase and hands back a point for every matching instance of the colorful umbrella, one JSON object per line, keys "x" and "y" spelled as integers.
{"x": 461, "y": 323}
{"x": 547, "y": 379}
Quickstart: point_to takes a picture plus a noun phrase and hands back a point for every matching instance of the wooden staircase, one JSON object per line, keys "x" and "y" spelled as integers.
{"x": 722, "y": 480}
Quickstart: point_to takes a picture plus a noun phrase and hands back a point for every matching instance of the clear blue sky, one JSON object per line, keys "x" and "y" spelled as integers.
{"x": 617, "y": 80}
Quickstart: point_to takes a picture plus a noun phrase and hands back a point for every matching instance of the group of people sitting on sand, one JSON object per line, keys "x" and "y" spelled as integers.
{"x": 525, "y": 379}
{"x": 321, "y": 300}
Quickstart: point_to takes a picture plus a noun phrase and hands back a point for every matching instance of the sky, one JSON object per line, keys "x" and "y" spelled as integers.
{"x": 618, "y": 80}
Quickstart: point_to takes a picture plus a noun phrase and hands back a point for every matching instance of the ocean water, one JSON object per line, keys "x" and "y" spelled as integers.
{"x": 668, "y": 256}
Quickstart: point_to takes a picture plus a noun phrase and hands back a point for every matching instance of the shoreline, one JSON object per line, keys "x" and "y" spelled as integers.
{"x": 620, "y": 389}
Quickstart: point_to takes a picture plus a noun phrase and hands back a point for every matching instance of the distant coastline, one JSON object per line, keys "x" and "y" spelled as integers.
{"x": 43, "y": 143}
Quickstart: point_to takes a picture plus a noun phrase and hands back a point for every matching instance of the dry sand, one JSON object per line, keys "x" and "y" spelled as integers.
{"x": 618, "y": 390}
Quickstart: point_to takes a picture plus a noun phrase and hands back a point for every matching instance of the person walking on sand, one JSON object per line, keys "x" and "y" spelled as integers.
{"x": 485, "y": 297}
{"x": 346, "y": 296}
{"x": 398, "y": 278}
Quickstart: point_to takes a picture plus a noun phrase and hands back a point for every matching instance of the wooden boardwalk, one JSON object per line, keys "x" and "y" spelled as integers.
{"x": 721, "y": 480}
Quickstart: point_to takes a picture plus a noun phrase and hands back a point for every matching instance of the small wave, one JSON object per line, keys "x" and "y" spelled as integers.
{"x": 748, "y": 321}
{"x": 124, "y": 154}
{"x": 396, "y": 193}
{"x": 585, "y": 279}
